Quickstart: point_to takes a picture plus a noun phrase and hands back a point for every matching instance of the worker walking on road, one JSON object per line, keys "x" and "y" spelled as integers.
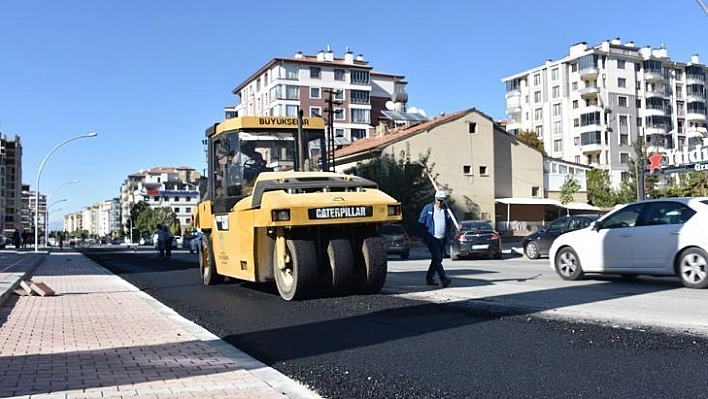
{"x": 435, "y": 224}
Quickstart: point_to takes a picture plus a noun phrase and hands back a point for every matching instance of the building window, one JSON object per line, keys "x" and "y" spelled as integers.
{"x": 574, "y": 86}
{"x": 624, "y": 176}
{"x": 483, "y": 170}
{"x": 339, "y": 114}
{"x": 338, "y": 132}
{"x": 358, "y": 134}
{"x": 624, "y": 158}
{"x": 556, "y": 109}
{"x": 339, "y": 95}
{"x": 291, "y": 110}
{"x": 622, "y": 101}
{"x": 292, "y": 92}
{"x": 558, "y": 145}
{"x": 557, "y": 127}
{"x": 315, "y": 72}
{"x": 624, "y": 139}
{"x": 574, "y": 67}
{"x": 623, "y": 120}
{"x": 290, "y": 72}
{"x": 177, "y": 210}
{"x": 359, "y": 97}
{"x": 538, "y": 114}
{"x": 556, "y": 91}
{"x": 315, "y": 92}
{"x": 316, "y": 111}
{"x": 471, "y": 127}
{"x": 466, "y": 169}
{"x": 554, "y": 74}
{"x": 621, "y": 82}
{"x": 575, "y": 104}
{"x": 576, "y": 141}
{"x": 360, "y": 77}
{"x": 537, "y": 96}
{"x": 534, "y": 191}
{"x": 539, "y": 131}
{"x": 339, "y": 74}
{"x": 577, "y": 158}
{"x": 537, "y": 79}
{"x": 360, "y": 116}
{"x": 620, "y": 64}
{"x": 187, "y": 210}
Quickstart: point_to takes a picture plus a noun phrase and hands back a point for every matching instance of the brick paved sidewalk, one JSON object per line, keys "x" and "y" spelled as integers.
{"x": 101, "y": 337}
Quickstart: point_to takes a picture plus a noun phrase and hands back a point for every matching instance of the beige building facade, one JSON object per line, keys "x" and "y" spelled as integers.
{"x": 491, "y": 174}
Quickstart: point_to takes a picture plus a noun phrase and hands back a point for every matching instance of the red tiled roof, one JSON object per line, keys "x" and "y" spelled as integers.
{"x": 398, "y": 134}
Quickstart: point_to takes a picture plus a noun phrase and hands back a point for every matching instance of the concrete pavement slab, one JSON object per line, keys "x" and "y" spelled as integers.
{"x": 99, "y": 336}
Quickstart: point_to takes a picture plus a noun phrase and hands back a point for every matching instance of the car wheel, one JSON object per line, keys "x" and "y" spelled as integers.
{"x": 693, "y": 268}
{"x": 531, "y": 250}
{"x": 567, "y": 264}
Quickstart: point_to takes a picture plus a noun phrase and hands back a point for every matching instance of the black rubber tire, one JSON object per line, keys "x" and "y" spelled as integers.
{"x": 531, "y": 250}
{"x": 372, "y": 265}
{"x": 567, "y": 264}
{"x": 207, "y": 266}
{"x": 692, "y": 268}
{"x": 298, "y": 280}
{"x": 341, "y": 263}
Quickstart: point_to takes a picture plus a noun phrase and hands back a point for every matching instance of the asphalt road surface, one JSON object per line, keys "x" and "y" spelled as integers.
{"x": 414, "y": 341}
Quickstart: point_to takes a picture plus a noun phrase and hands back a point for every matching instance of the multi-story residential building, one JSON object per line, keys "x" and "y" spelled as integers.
{"x": 175, "y": 188}
{"x": 73, "y": 222}
{"x": 26, "y": 220}
{"x": 591, "y": 106}
{"x": 40, "y": 211}
{"x": 347, "y": 86}
{"x": 11, "y": 188}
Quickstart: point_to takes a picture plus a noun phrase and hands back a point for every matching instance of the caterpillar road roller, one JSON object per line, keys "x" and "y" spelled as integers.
{"x": 272, "y": 210}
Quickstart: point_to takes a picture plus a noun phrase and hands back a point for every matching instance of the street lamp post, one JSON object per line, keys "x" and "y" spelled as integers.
{"x": 46, "y": 218}
{"x": 39, "y": 175}
{"x": 47, "y": 200}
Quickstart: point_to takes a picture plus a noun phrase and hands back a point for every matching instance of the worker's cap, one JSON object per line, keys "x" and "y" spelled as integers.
{"x": 441, "y": 195}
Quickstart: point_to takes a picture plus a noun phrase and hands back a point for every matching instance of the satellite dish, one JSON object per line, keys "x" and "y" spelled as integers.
{"x": 389, "y": 105}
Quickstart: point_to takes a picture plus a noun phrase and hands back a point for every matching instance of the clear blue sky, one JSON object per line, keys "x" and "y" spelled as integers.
{"x": 150, "y": 76}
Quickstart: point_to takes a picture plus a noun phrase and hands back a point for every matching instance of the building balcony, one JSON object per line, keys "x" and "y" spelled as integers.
{"x": 655, "y": 112}
{"x": 655, "y": 94}
{"x": 695, "y": 116}
{"x": 513, "y": 93}
{"x": 695, "y": 97}
{"x": 657, "y": 129}
{"x": 589, "y": 92}
{"x": 589, "y": 73}
{"x": 694, "y": 79}
{"x": 592, "y": 148}
{"x": 653, "y": 76}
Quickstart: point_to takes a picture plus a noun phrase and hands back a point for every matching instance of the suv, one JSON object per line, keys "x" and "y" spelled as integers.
{"x": 538, "y": 243}
{"x": 396, "y": 240}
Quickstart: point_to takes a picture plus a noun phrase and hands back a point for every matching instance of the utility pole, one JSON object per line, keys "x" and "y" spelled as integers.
{"x": 329, "y": 111}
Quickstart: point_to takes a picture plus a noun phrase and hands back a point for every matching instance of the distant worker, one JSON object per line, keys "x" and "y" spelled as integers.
{"x": 25, "y": 239}
{"x": 252, "y": 161}
{"x": 16, "y": 237}
{"x": 60, "y": 237}
{"x": 434, "y": 223}
{"x": 169, "y": 238}
{"x": 161, "y": 236}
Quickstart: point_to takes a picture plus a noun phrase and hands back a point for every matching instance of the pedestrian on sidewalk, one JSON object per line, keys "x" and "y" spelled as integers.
{"x": 435, "y": 224}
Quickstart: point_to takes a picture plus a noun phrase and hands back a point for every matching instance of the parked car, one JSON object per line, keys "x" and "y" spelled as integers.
{"x": 396, "y": 239}
{"x": 657, "y": 237}
{"x": 539, "y": 242}
{"x": 475, "y": 238}
{"x": 195, "y": 243}
{"x": 146, "y": 240}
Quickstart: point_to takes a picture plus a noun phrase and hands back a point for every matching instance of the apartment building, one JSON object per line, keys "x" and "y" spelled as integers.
{"x": 10, "y": 185}
{"x": 345, "y": 90}
{"x": 591, "y": 106}
{"x": 176, "y": 188}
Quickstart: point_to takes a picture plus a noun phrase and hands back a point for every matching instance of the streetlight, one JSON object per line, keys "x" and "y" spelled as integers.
{"x": 46, "y": 218}
{"x": 39, "y": 174}
{"x": 46, "y": 223}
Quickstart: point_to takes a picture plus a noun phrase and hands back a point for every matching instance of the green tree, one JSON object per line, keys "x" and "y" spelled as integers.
{"x": 600, "y": 192}
{"x": 568, "y": 190}
{"x": 404, "y": 179}
{"x": 531, "y": 139}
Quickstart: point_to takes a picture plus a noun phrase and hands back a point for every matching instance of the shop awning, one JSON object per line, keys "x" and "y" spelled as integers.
{"x": 528, "y": 201}
{"x": 581, "y": 206}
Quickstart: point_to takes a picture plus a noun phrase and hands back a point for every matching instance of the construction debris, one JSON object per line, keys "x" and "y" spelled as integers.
{"x": 29, "y": 287}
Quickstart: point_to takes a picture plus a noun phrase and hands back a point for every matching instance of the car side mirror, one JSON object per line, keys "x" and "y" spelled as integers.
{"x": 596, "y": 226}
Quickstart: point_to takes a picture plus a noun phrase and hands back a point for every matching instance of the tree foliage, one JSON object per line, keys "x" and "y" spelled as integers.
{"x": 570, "y": 187}
{"x": 404, "y": 179}
{"x": 531, "y": 139}
{"x": 147, "y": 219}
{"x": 600, "y": 192}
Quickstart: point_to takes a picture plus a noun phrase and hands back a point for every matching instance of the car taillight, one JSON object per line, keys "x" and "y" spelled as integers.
{"x": 495, "y": 236}
{"x": 460, "y": 237}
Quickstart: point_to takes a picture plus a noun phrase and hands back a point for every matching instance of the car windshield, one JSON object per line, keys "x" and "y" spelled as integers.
{"x": 473, "y": 226}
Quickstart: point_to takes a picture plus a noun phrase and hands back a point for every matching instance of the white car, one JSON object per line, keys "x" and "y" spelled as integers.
{"x": 657, "y": 237}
